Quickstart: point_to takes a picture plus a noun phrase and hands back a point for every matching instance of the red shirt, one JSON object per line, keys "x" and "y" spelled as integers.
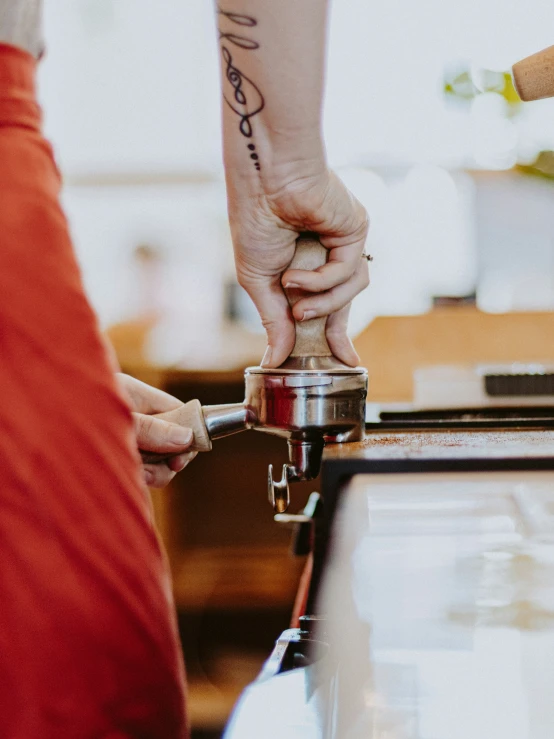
{"x": 88, "y": 638}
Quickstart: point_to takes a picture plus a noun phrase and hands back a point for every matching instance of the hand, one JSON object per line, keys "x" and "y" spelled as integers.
{"x": 154, "y": 434}
{"x": 265, "y": 227}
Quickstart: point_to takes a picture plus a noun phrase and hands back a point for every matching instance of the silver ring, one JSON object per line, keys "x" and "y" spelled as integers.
{"x": 367, "y": 256}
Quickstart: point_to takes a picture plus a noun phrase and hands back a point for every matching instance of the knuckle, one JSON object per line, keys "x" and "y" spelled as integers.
{"x": 244, "y": 281}
{"x": 366, "y": 221}
{"x": 363, "y": 227}
{"x": 271, "y": 324}
{"x": 319, "y": 306}
{"x": 140, "y": 425}
{"x": 250, "y": 276}
{"x": 148, "y": 427}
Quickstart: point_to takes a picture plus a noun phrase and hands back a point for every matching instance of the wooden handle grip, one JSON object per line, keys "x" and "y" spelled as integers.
{"x": 310, "y": 335}
{"x": 534, "y": 76}
{"x": 189, "y": 415}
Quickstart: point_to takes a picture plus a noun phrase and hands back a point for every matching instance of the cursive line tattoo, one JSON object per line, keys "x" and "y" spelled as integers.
{"x": 244, "y": 97}
{"x": 238, "y": 18}
{"x": 242, "y": 42}
{"x": 247, "y": 100}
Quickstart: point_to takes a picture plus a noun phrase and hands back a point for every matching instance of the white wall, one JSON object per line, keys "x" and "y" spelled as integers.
{"x": 134, "y": 84}
{"x": 131, "y": 86}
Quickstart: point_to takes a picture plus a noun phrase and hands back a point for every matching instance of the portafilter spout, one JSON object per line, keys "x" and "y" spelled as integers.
{"x": 310, "y": 400}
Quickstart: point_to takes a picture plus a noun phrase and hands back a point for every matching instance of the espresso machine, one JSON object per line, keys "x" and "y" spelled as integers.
{"x": 310, "y": 400}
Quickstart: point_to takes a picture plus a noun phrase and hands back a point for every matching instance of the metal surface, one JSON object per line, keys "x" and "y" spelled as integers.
{"x": 284, "y": 704}
{"x": 307, "y": 408}
{"x": 332, "y": 412}
{"x": 492, "y": 417}
{"x": 310, "y": 364}
{"x": 305, "y": 461}
{"x": 278, "y": 492}
{"x": 303, "y": 525}
{"x": 292, "y": 698}
{"x": 224, "y": 420}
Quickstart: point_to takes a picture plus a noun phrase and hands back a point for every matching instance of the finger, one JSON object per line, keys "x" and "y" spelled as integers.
{"x": 337, "y": 338}
{"x": 271, "y": 302}
{"x": 145, "y": 398}
{"x": 343, "y": 262}
{"x": 157, "y": 475}
{"x": 156, "y": 435}
{"x": 323, "y": 304}
{"x": 179, "y": 462}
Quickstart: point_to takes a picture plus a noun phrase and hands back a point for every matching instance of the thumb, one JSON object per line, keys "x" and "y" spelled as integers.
{"x": 338, "y": 339}
{"x": 156, "y": 435}
{"x": 271, "y": 302}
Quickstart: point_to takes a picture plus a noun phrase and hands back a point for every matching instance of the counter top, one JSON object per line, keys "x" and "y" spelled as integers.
{"x": 434, "y": 451}
{"x": 387, "y": 446}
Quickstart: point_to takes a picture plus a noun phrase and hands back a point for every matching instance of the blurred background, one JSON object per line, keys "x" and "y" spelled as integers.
{"x": 132, "y": 105}
{"x": 423, "y": 124}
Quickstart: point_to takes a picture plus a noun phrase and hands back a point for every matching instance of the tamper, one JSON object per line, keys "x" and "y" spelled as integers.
{"x": 310, "y": 400}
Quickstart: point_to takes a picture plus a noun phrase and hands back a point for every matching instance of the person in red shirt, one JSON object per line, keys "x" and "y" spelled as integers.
{"x": 88, "y": 637}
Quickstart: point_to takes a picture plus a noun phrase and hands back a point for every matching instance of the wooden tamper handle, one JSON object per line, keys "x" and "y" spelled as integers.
{"x": 534, "y": 75}
{"x": 310, "y": 335}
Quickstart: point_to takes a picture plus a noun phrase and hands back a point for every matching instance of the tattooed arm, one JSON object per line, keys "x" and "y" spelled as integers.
{"x": 278, "y": 182}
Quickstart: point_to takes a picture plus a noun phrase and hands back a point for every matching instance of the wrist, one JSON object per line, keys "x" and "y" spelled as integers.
{"x": 270, "y": 160}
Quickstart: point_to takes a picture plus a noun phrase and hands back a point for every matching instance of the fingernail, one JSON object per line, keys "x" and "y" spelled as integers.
{"x": 308, "y": 315}
{"x": 180, "y": 463}
{"x": 179, "y": 435}
{"x": 291, "y": 284}
{"x": 267, "y": 357}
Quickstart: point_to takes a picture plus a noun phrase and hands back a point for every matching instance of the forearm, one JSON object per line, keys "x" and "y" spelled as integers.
{"x": 278, "y": 182}
{"x": 21, "y": 24}
{"x": 273, "y": 58}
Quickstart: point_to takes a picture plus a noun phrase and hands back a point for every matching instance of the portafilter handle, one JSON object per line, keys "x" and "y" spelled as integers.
{"x": 206, "y": 422}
